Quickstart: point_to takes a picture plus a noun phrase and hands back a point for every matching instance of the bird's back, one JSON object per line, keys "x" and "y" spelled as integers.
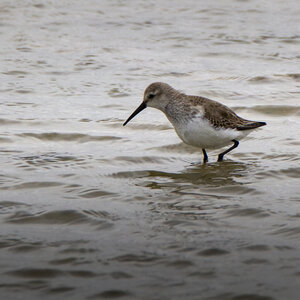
{"x": 221, "y": 116}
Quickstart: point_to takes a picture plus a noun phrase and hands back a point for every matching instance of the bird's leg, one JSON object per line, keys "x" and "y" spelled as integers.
{"x": 205, "y": 157}
{"x": 221, "y": 155}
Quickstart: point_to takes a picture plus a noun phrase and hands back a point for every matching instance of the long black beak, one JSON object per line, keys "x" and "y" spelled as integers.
{"x": 139, "y": 109}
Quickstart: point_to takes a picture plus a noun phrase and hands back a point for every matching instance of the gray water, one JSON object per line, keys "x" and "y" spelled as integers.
{"x": 93, "y": 210}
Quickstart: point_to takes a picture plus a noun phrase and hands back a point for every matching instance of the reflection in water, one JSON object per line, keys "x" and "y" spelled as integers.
{"x": 196, "y": 176}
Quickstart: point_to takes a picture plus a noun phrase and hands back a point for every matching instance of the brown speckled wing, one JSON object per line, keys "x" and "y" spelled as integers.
{"x": 218, "y": 114}
{"x": 222, "y": 116}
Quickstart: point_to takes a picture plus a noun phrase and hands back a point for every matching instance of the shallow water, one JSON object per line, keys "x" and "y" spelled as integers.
{"x": 93, "y": 210}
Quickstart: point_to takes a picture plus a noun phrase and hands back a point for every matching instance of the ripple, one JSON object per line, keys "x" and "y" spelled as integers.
{"x": 257, "y": 248}
{"x": 15, "y": 72}
{"x": 173, "y": 74}
{"x": 51, "y": 159}
{"x": 26, "y": 247}
{"x": 79, "y": 251}
{"x": 203, "y": 274}
{"x": 60, "y": 289}
{"x": 256, "y": 261}
{"x": 9, "y": 122}
{"x": 251, "y": 297}
{"x": 291, "y": 172}
{"x": 282, "y": 173}
{"x": 248, "y": 212}
{"x": 88, "y": 63}
{"x": 230, "y": 296}
{"x": 179, "y": 148}
{"x": 69, "y": 217}
{"x": 32, "y": 185}
{"x": 5, "y": 140}
{"x": 94, "y": 193}
{"x": 23, "y": 91}
{"x": 9, "y": 204}
{"x": 288, "y": 231}
{"x": 213, "y": 252}
{"x": 117, "y": 93}
{"x": 63, "y": 261}
{"x": 8, "y": 243}
{"x": 82, "y": 273}
{"x": 144, "y": 126}
{"x": 110, "y": 294}
{"x": 146, "y": 258}
{"x": 54, "y": 217}
{"x": 294, "y": 76}
{"x": 68, "y": 137}
{"x": 120, "y": 275}
{"x": 24, "y": 49}
{"x": 28, "y": 285}
{"x": 57, "y": 73}
{"x": 39, "y": 5}
{"x": 274, "y": 110}
{"x": 36, "y": 273}
{"x": 131, "y": 174}
{"x": 180, "y": 264}
{"x": 140, "y": 159}
{"x": 20, "y": 104}
{"x": 261, "y": 79}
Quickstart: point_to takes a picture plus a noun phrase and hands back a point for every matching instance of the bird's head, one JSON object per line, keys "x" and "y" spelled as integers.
{"x": 155, "y": 95}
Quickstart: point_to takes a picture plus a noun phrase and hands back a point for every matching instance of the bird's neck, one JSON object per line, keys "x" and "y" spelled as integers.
{"x": 178, "y": 112}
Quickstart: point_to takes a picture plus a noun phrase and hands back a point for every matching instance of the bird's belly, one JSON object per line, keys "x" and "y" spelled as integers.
{"x": 200, "y": 133}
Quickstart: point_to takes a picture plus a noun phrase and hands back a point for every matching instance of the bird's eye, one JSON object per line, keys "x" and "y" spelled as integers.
{"x": 151, "y": 96}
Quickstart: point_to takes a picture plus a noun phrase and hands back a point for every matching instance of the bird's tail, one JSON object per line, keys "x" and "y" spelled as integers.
{"x": 251, "y": 125}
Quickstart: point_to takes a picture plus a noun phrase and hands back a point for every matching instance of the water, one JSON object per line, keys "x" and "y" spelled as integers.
{"x": 93, "y": 210}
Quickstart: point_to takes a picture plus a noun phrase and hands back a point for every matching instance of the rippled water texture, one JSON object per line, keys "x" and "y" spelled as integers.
{"x": 93, "y": 210}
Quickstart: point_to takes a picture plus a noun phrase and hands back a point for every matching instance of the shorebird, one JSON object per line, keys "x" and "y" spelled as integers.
{"x": 198, "y": 121}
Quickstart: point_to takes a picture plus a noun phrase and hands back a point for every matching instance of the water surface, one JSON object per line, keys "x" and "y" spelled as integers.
{"x": 93, "y": 210}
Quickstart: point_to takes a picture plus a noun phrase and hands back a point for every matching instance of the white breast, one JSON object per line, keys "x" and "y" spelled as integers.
{"x": 200, "y": 133}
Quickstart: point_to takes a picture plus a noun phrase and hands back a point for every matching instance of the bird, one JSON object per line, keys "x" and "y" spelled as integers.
{"x": 198, "y": 121}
